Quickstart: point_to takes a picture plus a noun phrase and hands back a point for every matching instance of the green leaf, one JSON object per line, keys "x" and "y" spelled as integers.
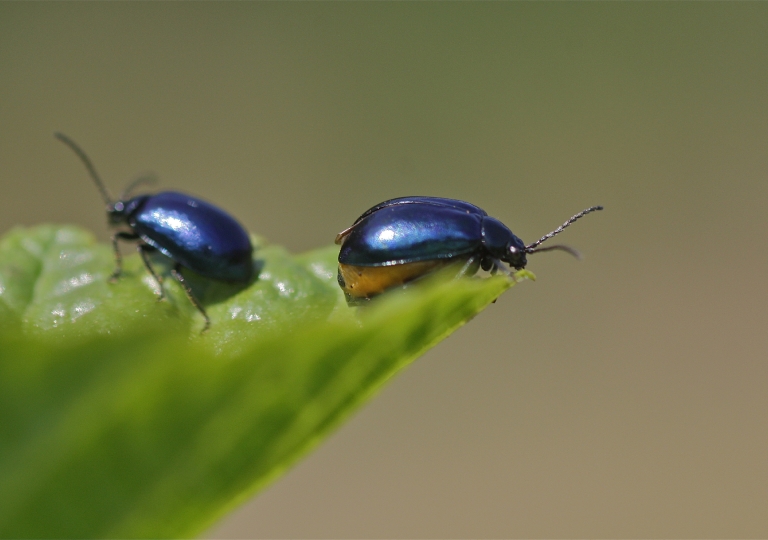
{"x": 118, "y": 419}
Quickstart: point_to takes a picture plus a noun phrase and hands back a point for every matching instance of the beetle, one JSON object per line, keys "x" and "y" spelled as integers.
{"x": 193, "y": 233}
{"x": 406, "y": 238}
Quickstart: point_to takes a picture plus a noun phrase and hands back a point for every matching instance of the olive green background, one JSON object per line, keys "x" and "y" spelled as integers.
{"x": 626, "y": 395}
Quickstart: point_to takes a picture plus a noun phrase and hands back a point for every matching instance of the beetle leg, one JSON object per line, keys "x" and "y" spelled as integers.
{"x": 176, "y": 272}
{"x": 498, "y": 265}
{"x": 465, "y": 269}
{"x": 118, "y": 257}
{"x": 144, "y": 250}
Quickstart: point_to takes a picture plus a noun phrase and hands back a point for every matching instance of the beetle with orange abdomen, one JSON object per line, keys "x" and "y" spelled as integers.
{"x": 403, "y": 239}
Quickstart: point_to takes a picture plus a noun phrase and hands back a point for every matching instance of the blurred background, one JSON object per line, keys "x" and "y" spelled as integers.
{"x": 621, "y": 396}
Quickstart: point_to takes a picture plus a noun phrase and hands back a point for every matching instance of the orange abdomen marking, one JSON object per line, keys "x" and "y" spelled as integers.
{"x": 367, "y": 281}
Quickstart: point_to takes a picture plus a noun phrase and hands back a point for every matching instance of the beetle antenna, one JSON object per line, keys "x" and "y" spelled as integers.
{"x": 560, "y": 247}
{"x": 88, "y": 165}
{"x": 146, "y": 178}
{"x": 532, "y": 248}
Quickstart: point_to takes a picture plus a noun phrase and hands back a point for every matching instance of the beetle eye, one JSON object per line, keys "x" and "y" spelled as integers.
{"x": 119, "y": 206}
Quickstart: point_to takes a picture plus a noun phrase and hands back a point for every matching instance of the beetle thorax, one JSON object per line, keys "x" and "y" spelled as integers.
{"x": 501, "y": 244}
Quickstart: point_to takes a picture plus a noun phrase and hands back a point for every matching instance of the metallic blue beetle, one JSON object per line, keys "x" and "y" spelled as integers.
{"x": 403, "y": 239}
{"x": 193, "y": 233}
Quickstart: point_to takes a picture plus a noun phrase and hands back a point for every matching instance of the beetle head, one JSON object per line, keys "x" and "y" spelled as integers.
{"x": 516, "y": 255}
{"x": 121, "y": 211}
{"x": 116, "y": 213}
